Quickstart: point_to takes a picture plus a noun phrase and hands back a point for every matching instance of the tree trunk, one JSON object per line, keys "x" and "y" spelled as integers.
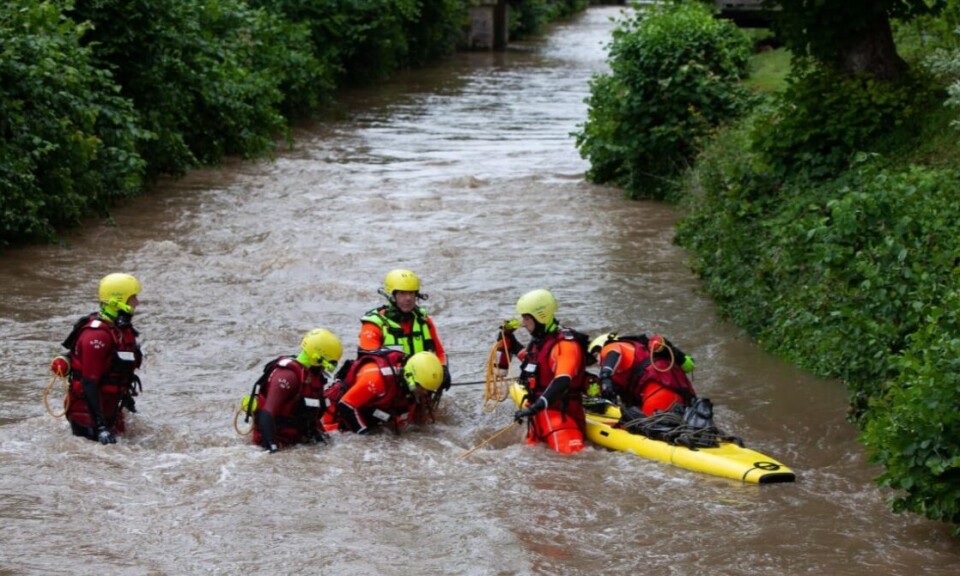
{"x": 871, "y": 50}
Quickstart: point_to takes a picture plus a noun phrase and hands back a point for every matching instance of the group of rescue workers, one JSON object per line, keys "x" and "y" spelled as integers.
{"x": 397, "y": 378}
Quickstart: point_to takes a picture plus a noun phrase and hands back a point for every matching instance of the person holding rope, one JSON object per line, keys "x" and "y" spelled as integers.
{"x": 103, "y": 355}
{"x": 287, "y": 400}
{"x": 649, "y": 373}
{"x": 553, "y": 372}
{"x": 402, "y": 324}
{"x": 384, "y": 387}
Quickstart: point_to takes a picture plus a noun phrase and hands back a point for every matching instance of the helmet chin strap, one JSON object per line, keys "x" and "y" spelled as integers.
{"x": 541, "y": 330}
{"x": 108, "y": 312}
{"x": 124, "y": 319}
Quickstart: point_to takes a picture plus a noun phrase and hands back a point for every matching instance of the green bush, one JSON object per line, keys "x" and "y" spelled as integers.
{"x": 530, "y": 17}
{"x": 369, "y": 40}
{"x": 67, "y": 139}
{"x": 854, "y": 278}
{"x": 199, "y": 72}
{"x": 675, "y": 74}
{"x": 914, "y": 428}
{"x": 824, "y": 117}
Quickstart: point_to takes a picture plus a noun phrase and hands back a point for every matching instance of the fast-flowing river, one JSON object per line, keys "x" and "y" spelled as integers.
{"x": 466, "y": 173}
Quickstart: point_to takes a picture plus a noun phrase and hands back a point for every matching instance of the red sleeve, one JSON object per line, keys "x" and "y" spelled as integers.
{"x": 283, "y": 390}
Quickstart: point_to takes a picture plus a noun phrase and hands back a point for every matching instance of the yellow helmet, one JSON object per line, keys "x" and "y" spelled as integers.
{"x": 404, "y": 280}
{"x": 597, "y": 343}
{"x": 424, "y": 369}
{"x": 114, "y": 291}
{"x": 538, "y": 303}
{"x": 321, "y": 347}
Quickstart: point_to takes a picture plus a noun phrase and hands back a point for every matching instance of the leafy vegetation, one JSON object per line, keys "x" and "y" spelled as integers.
{"x": 823, "y": 223}
{"x": 68, "y": 141}
{"x": 99, "y": 96}
{"x": 675, "y": 74}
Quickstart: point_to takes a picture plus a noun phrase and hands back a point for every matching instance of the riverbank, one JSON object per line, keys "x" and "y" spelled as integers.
{"x": 162, "y": 87}
{"x": 853, "y": 276}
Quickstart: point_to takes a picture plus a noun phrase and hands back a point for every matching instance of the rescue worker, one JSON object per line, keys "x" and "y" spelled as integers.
{"x": 553, "y": 371}
{"x": 647, "y": 372}
{"x": 386, "y": 388}
{"x": 289, "y": 395}
{"x": 103, "y": 355}
{"x": 402, "y": 324}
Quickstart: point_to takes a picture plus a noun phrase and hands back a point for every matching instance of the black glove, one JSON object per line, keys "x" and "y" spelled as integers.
{"x": 606, "y": 389}
{"x": 129, "y": 403}
{"x": 447, "y": 382}
{"x": 513, "y": 345}
{"x": 320, "y": 436}
{"x": 530, "y": 410}
{"x": 105, "y": 436}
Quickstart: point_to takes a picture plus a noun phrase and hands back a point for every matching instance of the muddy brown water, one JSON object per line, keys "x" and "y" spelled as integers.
{"x": 466, "y": 173}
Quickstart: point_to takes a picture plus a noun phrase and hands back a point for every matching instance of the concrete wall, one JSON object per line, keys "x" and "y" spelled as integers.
{"x": 488, "y": 26}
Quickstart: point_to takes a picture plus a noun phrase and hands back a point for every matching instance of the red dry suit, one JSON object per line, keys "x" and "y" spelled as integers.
{"x": 103, "y": 358}
{"x": 289, "y": 400}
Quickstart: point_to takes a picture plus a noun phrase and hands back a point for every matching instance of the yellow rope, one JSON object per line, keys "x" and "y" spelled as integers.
{"x": 236, "y": 421}
{"x": 510, "y": 426}
{"x": 659, "y": 348}
{"x": 497, "y": 384}
{"x": 66, "y": 395}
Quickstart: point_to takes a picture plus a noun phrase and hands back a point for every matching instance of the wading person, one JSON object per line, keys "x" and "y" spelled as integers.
{"x": 385, "y": 388}
{"x": 552, "y": 371}
{"x": 288, "y": 398}
{"x": 103, "y": 356}
{"x": 401, "y": 324}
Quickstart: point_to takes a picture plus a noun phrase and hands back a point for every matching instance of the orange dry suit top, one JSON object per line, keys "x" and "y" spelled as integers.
{"x": 652, "y": 383}
{"x": 374, "y": 393}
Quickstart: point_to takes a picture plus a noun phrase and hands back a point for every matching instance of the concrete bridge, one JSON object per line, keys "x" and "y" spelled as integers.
{"x": 489, "y": 25}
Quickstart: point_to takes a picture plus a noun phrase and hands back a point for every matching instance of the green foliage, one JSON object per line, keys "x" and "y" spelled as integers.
{"x": 437, "y": 31}
{"x": 530, "y": 17}
{"x": 823, "y": 117}
{"x": 768, "y": 71}
{"x": 945, "y": 62}
{"x": 67, "y": 140}
{"x": 195, "y": 71}
{"x": 923, "y": 35}
{"x": 675, "y": 74}
{"x": 363, "y": 41}
{"x": 853, "y": 278}
{"x": 824, "y": 29}
{"x": 914, "y": 428}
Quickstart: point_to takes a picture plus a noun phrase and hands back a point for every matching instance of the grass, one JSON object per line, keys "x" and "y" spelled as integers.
{"x": 767, "y": 70}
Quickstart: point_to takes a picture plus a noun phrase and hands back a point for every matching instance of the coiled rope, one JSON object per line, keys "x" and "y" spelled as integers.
{"x": 242, "y": 409}
{"x": 66, "y": 395}
{"x": 497, "y": 383}
{"x": 653, "y": 351}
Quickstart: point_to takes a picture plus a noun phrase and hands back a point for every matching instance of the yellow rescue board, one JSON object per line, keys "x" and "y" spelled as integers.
{"x": 727, "y": 460}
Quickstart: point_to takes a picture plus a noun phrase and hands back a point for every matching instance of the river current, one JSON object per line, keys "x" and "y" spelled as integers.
{"x": 466, "y": 173}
